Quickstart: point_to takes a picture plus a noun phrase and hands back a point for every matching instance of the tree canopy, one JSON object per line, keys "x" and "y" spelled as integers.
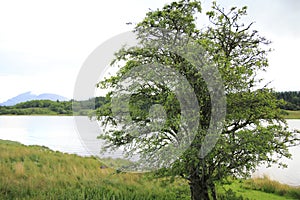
{"x": 252, "y": 131}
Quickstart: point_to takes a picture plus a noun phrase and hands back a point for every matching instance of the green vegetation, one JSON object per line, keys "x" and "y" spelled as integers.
{"x": 290, "y": 104}
{"x": 259, "y": 188}
{"x": 36, "y": 172}
{"x": 292, "y": 114}
{"x": 291, "y": 98}
{"x": 38, "y": 107}
{"x": 48, "y": 107}
{"x": 252, "y": 132}
{"x": 267, "y": 185}
{"x": 87, "y": 107}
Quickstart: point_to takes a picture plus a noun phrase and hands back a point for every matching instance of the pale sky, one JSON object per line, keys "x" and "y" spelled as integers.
{"x": 43, "y": 44}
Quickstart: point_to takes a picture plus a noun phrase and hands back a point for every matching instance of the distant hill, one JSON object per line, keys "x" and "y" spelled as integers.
{"x": 28, "y": 96}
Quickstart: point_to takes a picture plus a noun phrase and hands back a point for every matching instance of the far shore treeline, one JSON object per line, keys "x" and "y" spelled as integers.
{"x": 48, "y": 107}
{"x": 290, "y": 102}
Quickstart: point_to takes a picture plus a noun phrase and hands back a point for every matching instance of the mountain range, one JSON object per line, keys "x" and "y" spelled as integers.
{"x": 28, "y": 96}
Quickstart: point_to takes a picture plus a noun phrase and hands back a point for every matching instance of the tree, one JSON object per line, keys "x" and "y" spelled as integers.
{"x": 291, "y": 100}
{"x": 253, "y": 130}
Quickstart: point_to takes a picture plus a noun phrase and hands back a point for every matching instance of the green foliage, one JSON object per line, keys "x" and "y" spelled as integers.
{"x": 38, "y": 107}
{"x": 291, "y": 98}
{"x": 48, "y": 107}
{"x": 87, "y": 107}
{"x": 254, "y": 131}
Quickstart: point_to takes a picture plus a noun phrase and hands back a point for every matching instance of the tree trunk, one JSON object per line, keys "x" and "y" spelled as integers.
{"x": 198, "y": 188}
{"x": 213, "y": 191}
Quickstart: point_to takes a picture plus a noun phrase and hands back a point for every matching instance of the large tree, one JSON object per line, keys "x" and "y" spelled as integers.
{"x": 253, "y": 130}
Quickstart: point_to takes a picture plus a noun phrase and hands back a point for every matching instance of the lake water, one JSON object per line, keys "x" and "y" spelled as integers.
{"x": 57, "y": 133}
{"x": 77, "y": 135}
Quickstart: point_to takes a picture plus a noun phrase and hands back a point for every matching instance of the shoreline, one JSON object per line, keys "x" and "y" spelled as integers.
{"x": 290, "y": 114}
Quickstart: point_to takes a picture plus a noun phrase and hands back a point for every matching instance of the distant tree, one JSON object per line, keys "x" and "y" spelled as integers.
{"x": 291, "y": 98}
{"x": 38, "y": 107}
{"x": 254, "y": 131}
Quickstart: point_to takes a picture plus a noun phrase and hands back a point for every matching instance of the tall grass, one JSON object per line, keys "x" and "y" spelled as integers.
{"x": 267, "y": 185}
{"x": 38, "y": 173}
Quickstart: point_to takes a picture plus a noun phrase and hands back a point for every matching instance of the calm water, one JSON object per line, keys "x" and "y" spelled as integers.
{"x": 57, "y": 133}
{"x": 77, "y": 135}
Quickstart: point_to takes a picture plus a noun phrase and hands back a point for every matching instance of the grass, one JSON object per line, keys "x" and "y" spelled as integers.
{"x": 265, "y": 184}
{"x": 34, "y": 172}
{"x": 38, "y": 173}
{"x": 292, "y": 114}
{"x": 261, "y": 189}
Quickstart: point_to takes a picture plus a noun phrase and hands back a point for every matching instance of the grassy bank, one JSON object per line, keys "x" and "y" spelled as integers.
{"x": 38, "y": 173}
{"x": 260, "y": 189}
{"x": 292, "y": 114}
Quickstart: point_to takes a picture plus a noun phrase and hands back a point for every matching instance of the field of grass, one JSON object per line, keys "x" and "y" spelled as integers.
{"x": 36, "y": 172}
{"x": 267, "y": 185}
{"x": 262, "y": 189}
{"x": 292, "y": 114}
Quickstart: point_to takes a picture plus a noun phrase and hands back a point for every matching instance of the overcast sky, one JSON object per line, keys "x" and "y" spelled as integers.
{"x": 44, "y": 43}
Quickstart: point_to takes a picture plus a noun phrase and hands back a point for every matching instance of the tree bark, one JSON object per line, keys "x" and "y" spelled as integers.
{"x": 198, "y": 188}
{"x": 213, "y": 191}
